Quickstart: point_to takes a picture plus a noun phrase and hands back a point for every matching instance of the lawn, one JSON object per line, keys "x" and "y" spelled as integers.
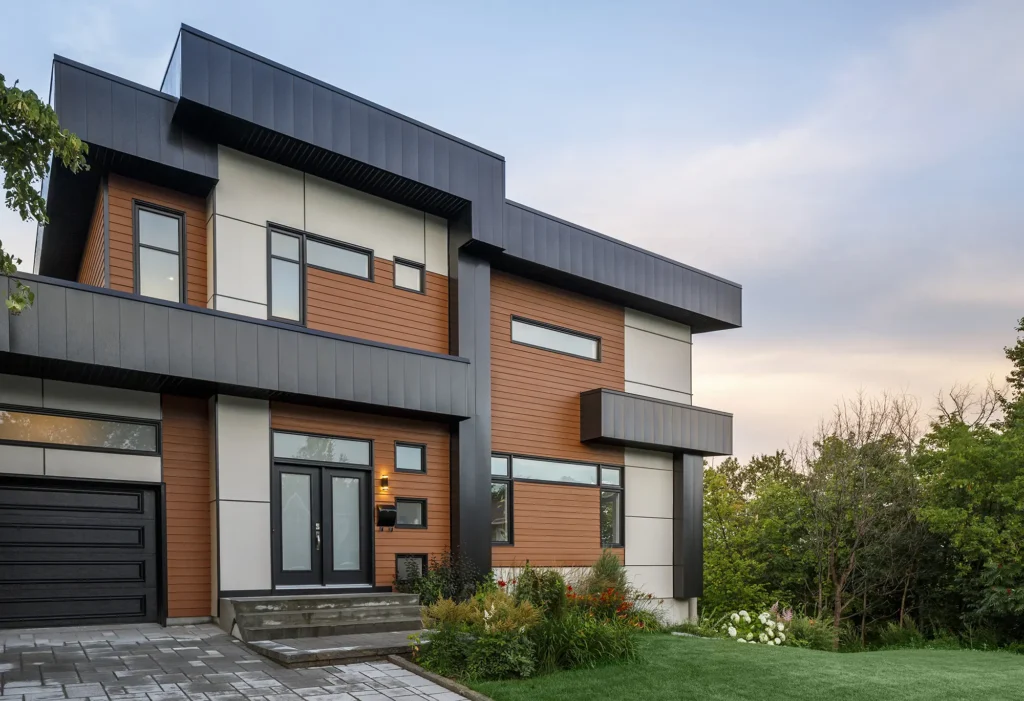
{"x": 674, "y": 668}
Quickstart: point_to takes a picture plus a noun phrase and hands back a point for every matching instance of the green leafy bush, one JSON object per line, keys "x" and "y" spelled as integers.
{"x": 892, "y": 635}
{"x": 580, "y": 640}
{"x": 448, "y": 577}
{"x": 502, "y": 656}
{"x": 446, "y": 650}
{"x": 545, "y": 589}
{"x": 607, "y": 573}
{"x": 812, "y": 633}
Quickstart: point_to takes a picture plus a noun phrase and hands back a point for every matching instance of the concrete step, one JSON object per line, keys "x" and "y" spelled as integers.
{"x": 313, "y": 630}
{"x": 321, "y": 602}
{"x": 327, "y": 616}
{"x": 323, "y": 651}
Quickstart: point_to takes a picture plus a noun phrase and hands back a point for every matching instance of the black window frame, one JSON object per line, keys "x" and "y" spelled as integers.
{"x": 512, "y": 474}
{"x": 423, "y": 457}
{"x": 411, "y": 500}
{"x": 137, "y": 246}
{"x": 368, "y": 252}
{"x": 620, "y": 489}
{"x": 509, "y": 500}
{"x": 301, "y": 236}
{"x": 422, "y": 268}
{"x": 422, "y": 557}
{"x": 87, "y": 416}
{"x": 553, "y": 327}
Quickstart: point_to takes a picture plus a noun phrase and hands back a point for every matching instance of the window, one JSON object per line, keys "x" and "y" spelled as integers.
{"x": 158, "y": 240}
{"x": 408, "y": 567}
{"x": 408, "y": 275}
{"x": 501, "y": 501}
{"x": 611, "y": 507}
{"x": 78, "y": 432}
{"x": 411, "y": 513}
{"x": 321, "y": 448}
{"x": 552, "y": 471}
{"x": 410, "y": 457}
{"x": 285, "y": 276}
{"x": 338, "y": 258}
{"x": 532, "y": 333}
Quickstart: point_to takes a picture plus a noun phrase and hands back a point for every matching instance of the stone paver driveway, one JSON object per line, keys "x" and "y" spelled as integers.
{"x": 182, "y": 663}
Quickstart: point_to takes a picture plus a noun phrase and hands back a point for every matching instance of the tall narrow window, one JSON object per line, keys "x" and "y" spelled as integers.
{"x": 501, "y": 501}
{"x": 611, "y": 507}
{"x": 285, "y": 276}
{"x": 158, "y": 240}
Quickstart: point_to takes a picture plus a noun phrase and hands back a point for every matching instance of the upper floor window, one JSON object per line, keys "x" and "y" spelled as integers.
{"x": 285, "y": 276}
{"x": 408, "y": 275}
{"x": 158, "y": 235}
{"x": 340, "y": 258}
{"x": 554, "y": 338}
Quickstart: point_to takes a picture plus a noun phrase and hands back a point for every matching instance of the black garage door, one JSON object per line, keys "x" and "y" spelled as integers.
{"x": 76, "y": 553}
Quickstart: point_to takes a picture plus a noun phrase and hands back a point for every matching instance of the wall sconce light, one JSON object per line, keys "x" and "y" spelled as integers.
{"x": 383, "y": 483}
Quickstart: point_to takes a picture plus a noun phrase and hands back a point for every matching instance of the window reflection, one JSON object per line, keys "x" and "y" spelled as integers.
{"x": 27, "y": 427}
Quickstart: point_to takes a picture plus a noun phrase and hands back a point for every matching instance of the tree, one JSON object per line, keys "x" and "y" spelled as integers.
{"x": 29, "y": 136}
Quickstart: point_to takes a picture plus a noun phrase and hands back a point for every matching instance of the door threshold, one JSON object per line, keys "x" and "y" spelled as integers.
{"x": 324, "y": 587}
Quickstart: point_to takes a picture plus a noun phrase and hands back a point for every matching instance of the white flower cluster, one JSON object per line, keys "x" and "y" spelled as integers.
{"x": 767, "y": 630}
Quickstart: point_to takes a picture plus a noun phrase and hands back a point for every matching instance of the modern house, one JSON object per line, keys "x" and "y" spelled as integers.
{"x": 287, "y": 341}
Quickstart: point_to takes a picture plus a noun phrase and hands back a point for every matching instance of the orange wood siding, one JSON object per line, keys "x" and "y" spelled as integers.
{"x": 377, "y": 310}
{"x": 555, "y": 525}
{"x": 186, "y": 465}
{"x": 92, "y": 269}
{"x": 535, "y": 393}
{"x": 384, "y": 431}
{"x": 122, "y": 248}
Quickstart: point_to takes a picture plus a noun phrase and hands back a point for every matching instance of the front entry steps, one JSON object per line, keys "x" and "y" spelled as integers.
{"x": 335, "y": 649}
{"x": 316, "y": 616}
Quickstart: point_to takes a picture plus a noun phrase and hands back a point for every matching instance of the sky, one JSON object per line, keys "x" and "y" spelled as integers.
{"x": 856, "y": 165}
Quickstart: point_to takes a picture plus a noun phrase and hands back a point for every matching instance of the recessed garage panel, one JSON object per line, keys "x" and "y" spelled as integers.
{"x": 76, "y": 553}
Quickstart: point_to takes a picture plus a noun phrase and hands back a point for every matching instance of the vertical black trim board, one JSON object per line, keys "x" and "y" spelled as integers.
{"x": 215, "y": 444}
{"x": 105, "y": 185}
{"x": 163, "y": 581}
{"x": 687, "y": 526}
{"x": 469, "y": 318}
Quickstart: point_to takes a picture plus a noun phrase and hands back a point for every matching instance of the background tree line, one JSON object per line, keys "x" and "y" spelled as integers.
{"x": 869, "y": 526}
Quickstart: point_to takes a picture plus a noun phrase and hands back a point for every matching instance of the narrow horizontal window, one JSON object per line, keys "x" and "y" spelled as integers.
{"x": 340, "y": 259}
{"x": 551, "y": 471}
{"x": 321, "y": 449}
{"x": 408, "y": 276}
{"x": 412, "y": 513}
{"x": 99, "y": 434}
{"x": 559, "y": 340}
{"x": 499, "y": 466}
{"x": 409, "y": 567}
{"x": 410, "y": 458}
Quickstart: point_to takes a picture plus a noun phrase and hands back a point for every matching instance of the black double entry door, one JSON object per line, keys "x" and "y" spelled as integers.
{"x": 322, "y": 526}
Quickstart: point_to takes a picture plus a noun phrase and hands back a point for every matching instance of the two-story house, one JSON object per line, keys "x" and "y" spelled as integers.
{"x": 274, "y": 318}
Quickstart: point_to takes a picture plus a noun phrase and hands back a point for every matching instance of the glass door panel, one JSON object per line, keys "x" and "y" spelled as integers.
{"x": 347, "y": 527}
{"x": 297, "y": 526}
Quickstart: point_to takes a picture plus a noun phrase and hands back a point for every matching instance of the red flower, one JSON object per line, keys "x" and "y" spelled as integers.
{"x": 1009, "y": 591}
{"x": 502, "y": 583}
{"x": 568, "y": 587}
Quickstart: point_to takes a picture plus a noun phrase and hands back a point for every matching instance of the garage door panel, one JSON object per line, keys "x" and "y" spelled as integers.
{"x": 75, "y": 553}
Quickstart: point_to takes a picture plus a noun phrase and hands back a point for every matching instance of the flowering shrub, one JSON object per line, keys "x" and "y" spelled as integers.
{"x": 769, "y": 628}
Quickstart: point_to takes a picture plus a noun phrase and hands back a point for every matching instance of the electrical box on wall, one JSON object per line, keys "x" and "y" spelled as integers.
{"x": 387, "y": 515}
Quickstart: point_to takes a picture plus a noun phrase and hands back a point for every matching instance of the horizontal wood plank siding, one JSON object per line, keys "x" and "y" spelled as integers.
{"x": 384, "y": 431}
{"x": 555, "y": 525}
{"x": 92, "y": 271}
{"x": 122, "y": 247}
{"x": 186, "y": 469}
{"x": 535, "y": 405}
{"x": 377, "y": 310}
{"x": 535, "y": 393}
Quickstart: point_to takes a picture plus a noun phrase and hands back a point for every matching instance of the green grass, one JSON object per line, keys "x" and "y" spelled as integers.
{"x": 674, "y": 668}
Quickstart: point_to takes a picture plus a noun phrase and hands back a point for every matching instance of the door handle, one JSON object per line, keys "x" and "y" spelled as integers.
{"x": 318, "y": 537}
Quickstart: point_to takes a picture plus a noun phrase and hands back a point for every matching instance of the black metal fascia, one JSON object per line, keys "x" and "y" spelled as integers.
{"x": 619, "y": 418}
{"x": 86, "y": 334}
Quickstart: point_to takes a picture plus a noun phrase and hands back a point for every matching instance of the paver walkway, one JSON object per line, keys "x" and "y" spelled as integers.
{"x": 182, "y": 663}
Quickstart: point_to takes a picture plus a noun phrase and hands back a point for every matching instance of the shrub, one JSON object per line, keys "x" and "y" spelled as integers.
{"x": 545, "y": 589}
{"x": 500, "y": 613}
{"x": 767, "y": 628}
{"x": 579, "y": 640}
{"x": 502, "y": 656}
{"x": 447, "y": 652}
{"x": 452, "y": 614}
{"x": 448, "y": 577}
{"x": 607, "y": 573}
{"x": 811, "y": 633}
{"x": 892, "y": 635}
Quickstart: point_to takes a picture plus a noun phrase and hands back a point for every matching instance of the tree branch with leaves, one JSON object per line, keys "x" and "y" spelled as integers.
{"x": 30, "y": 135}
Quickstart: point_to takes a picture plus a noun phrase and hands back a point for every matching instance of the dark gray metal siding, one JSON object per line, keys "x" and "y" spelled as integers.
{"x": 687, "y": 526}
{"x": 710, "y": 303}
{"x": 87, "y": 334}
{"x": 235, "y": 82}
{"x": 610, "y": 416}
{"x": 129, "y": 119}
